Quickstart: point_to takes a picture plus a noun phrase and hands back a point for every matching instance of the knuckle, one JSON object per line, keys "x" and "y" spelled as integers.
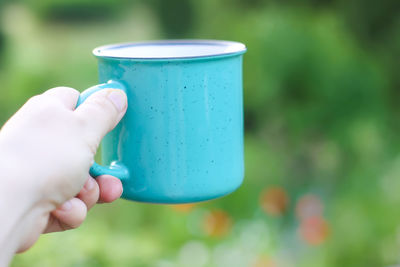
{"x": 63, "y": 88}
{"x": 41, "y": 104}
{"x": 37, "y": 99}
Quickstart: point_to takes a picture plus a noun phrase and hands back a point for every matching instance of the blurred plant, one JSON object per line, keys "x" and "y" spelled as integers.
{"x": 314, "y": 230}
{"x": 274, "y": 201}
{"x": 308, "y": 206}
{"x": 313, "y": 227}
{"x": 183, "y": 207}
{"x": 177, "y": 17}
{"x": 76, "y": 11}
{"x": 2, "y": 44}
{"x": 263, "y": 261}
{"x": 217, "y": 223}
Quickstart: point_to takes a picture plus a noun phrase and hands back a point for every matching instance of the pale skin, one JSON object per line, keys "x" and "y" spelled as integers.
{"x": 46, "y": 150}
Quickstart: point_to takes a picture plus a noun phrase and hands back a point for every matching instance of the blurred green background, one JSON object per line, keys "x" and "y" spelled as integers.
{"x": 321, "y": 93}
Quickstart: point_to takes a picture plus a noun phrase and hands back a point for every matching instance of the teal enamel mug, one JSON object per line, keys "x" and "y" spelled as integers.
{"x": 181, "y": 139}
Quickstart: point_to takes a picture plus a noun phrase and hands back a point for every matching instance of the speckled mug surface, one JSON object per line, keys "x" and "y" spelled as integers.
{"x": 181, "y": 139}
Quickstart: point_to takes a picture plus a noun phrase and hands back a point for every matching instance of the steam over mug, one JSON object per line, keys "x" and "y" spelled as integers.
{"x": 181, "y": 139}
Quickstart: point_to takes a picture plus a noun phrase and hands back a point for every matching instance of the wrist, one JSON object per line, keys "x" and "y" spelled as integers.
{"x": 20, "y": 205}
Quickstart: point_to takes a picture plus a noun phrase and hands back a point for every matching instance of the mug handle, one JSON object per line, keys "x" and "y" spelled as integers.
{"x": 116, "y": 168}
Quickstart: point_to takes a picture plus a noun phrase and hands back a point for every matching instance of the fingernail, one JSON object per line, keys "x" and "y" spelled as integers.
{"x": 118, "y": 98}
{"x": 66, "y": 205}
{"x": 89, "y": 184}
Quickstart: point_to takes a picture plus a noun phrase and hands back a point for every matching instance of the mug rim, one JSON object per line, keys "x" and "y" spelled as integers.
{"x": 236, "y": 48}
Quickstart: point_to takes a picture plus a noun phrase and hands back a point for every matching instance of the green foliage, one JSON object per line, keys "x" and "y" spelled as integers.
{"x": 176, "y": 17}
{"x": 76, "y": 10}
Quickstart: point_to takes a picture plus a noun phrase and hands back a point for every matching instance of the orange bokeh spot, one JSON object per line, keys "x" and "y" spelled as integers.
{"x": 183, "y": 207}
{"x": 274, "y": 201}
{"x": 263, "y": 261}
{"x": 217, "y": 223}
{"x": 314, "y": 230}
{"x": 309, "y": 206}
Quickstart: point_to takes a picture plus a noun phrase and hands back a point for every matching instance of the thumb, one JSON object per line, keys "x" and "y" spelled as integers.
{"x": 101, "y": 112}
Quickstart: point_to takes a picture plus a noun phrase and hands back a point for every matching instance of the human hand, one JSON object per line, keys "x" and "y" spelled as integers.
{"x": 46, "y": 150}
{"x": 71, "y": 214}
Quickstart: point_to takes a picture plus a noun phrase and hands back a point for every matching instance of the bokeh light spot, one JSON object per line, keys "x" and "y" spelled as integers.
{"x": 183, "y": 207}
{"x": 314, "y": 230}
{"x": 308, "y": 206}
{"x": 217, "y": 223}
{"x": 263, "y": 261}
{"x": 274, "y": 201}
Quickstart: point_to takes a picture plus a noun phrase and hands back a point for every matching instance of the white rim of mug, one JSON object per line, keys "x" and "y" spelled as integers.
{"x": 237, "y": 48}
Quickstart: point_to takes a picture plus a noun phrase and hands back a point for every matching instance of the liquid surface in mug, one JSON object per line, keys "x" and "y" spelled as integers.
{"x": 171, "y": 49}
